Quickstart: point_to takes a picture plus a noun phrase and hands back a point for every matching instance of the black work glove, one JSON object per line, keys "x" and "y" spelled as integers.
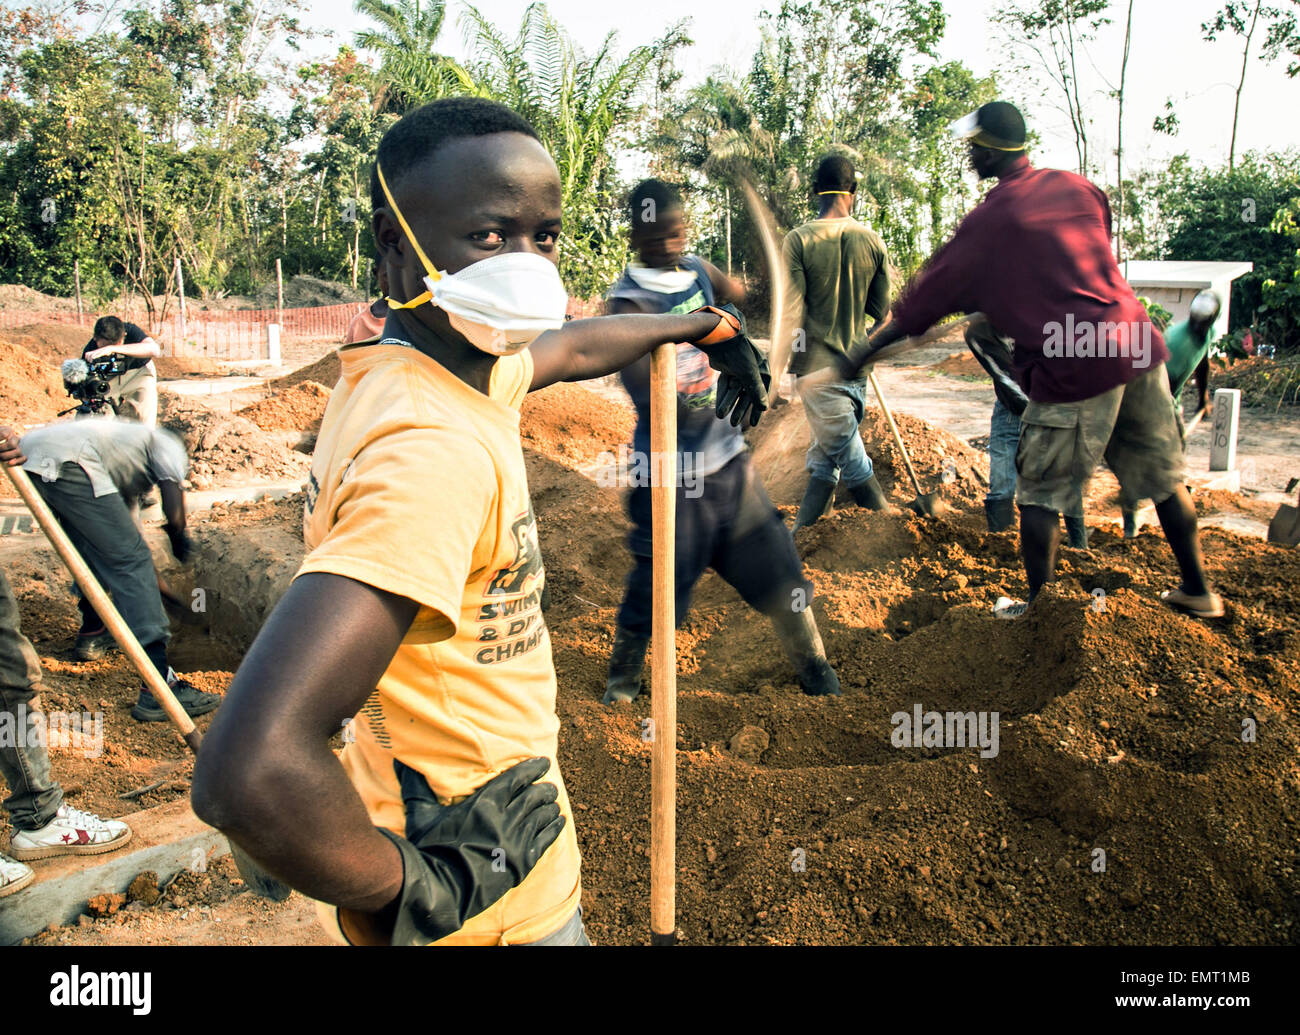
{"x": 745, "y": 376}
{"x": 457, "y": 860}
{"x": 182, "y": 544}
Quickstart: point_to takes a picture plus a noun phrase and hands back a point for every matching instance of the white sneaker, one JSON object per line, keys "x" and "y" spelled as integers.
{"x": 1010, "y": 609}
{"x": 14, "y": 876}
{"x": 71, "y": 832}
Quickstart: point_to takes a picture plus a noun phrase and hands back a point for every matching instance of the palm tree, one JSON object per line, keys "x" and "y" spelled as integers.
{"x": 578, "y": 103}
{"x": 411, "y": 71}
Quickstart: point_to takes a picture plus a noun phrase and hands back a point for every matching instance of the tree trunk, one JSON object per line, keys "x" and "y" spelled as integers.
{"x": 1119, "y": 142}
{"x": 1241, "y": 83}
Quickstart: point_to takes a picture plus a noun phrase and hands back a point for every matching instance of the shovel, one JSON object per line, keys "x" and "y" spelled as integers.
{"x": 927, "y": 504}
{"x": 256, "y": 878}
{"x": 1284, "y": 529}
{"x": 663, "y": 654}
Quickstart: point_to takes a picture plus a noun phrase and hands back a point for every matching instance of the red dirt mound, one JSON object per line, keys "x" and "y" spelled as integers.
{"x": 299, "y": 408}
{"x": 227, "y": 449}
{"x": 31, "y": 391}
{"x": 961, "y": 364}
{"x": 324, "y": 371}
{"x": 942, "y": 461}
{"x": 573, "y": 425}
{"x": 50, "y": 341}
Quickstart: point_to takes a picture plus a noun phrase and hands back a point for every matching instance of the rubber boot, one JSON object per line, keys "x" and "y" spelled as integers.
{"x": 625, "y": 664}
{"x": 1130, "y": 524}
{"x": 870, "y": 495}
{"x": 797, "y": 631}
{"x": 1076, "y": 533}
{"x": 816, "y": 502}
{"x": 1001, "y": 514}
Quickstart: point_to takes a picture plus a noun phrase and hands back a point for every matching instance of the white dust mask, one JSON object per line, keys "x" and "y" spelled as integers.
{"x": 667, "y": 282}
{"x": 500, "y": 304}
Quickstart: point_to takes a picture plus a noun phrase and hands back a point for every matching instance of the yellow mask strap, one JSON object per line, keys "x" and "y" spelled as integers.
{"x": 846, "y": 193}
{"x": 983, "y": 140}
{"x": 430, "y": 268}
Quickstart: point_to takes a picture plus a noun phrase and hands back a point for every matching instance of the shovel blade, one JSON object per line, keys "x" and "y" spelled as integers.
{"x": 929, "y": 504}
{"x": 261, "y": 882}
{"x": 1285, "y": 526}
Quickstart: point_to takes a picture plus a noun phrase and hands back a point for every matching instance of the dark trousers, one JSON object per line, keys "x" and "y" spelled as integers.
{"x": 24, "y": 762}
{"x": 102, "y": 530}
{"x": 730, "y": 527}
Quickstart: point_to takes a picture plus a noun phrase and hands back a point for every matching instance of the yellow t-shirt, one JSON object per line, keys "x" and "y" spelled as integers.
{"x": 418, "y": 488}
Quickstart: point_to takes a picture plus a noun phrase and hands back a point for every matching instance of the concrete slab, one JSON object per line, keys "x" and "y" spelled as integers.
{"x": 213, "y": 386}
{"x": 166, "y": 840}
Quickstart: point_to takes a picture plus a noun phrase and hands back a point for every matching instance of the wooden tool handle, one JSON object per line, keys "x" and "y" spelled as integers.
{"x": 663, "y": 655}
{"x": 103, "y": 606}
{"x": 898, "y": 439}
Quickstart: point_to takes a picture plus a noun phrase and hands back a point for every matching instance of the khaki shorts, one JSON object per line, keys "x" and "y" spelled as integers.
{"x": 1133, "y": 426}
{"x": 136, "y": 393}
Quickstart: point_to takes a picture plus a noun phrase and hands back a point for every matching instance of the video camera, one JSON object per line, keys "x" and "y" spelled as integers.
{"x": 88, "y": 381}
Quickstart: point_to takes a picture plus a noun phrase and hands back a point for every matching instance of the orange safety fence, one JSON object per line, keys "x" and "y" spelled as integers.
{"x": 236, "y": 334}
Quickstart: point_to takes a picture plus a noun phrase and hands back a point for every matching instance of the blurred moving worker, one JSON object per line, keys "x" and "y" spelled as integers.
{"x": 840, "y": 279}
{"x": 725, "y": 520}
{"x": 134, "y": 394}
{"x": 44, "y": 824}
{"x": 1087, "y": 356}
{"x": 994, "y": 354}
{"x": 1188, "y": 343}
{"x": 90, "y": 472}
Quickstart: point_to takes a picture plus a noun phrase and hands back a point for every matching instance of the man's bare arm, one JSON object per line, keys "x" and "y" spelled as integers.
{"x": 266, "y": 775}
{"x": 725, "y": 288}
{"x": 147, "y": 349}
{"x": 583, "y": 349}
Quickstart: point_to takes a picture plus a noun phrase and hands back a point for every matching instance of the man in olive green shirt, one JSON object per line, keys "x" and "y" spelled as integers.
{"x": 1188, "y": 343}
{"x": 840, "y": 279}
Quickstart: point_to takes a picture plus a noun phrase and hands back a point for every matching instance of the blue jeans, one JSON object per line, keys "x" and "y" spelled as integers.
{"x": 834, "y": 410}
{"x": 1004, "y": 436}
{"x": 572, "y": 933}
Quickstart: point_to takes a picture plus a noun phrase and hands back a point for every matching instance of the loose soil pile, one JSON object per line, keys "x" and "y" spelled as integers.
{"x": 31, "y": 391}
{"x": 961, "y": 364}
{"x": 229, "y": 449}
{"x": 303, "y": 291}
{"x": 49, "y": 341}
{"x": 574, "y": 425}
{"x": 799, "y": 821}
{"x": 325, "y": 371}
{"x": 1263, "y": 382}
{"x": 299, "y": 408}
{"x": 942, "y": 461}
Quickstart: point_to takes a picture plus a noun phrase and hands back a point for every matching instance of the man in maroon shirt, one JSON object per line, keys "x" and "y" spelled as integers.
{"x": 1035, "y": 258}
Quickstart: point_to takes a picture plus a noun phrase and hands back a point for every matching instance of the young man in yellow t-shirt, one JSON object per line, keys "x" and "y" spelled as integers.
{"x": 419, "y": 602}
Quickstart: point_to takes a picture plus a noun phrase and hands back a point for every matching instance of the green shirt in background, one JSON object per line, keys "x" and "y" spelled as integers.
{"x": 841, "y": 278}
{"x": 1186, "y": 351}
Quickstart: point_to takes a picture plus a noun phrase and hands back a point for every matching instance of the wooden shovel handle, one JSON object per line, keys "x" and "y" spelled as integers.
{"x": 103, "y": 606}
{"x": 663, "y": 655}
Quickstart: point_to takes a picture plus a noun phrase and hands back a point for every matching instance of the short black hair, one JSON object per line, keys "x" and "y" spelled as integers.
{"x": 835, "y": 172}
{"x": 109, "y": 328}
{"x": 415, "y": 137}
{"x": 662, "y": 197}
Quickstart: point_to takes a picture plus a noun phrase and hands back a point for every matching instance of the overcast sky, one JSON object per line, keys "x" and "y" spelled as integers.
{"x": 1168, "y": 60}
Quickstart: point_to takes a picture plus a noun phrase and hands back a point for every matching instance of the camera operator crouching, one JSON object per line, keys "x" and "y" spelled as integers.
{"x": 134, "y": 392}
